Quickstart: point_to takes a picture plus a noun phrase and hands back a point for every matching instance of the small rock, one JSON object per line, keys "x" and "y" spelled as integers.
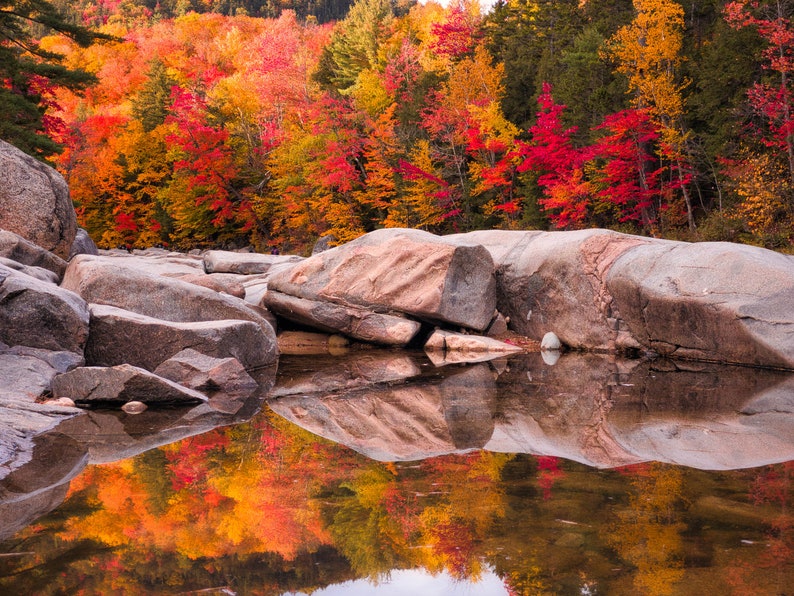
{"x": 60, "y": 401}
{"x": 550, "y": 342}
{"x": 134, "y": 407}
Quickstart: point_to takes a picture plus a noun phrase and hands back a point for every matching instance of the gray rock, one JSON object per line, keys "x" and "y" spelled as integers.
{"x": 550, "y": 341}
{"x": 218, "y": 282}
{"x": 83, "y": 244}
{"x": 119, "y": 336}
{"x": 16, "y": 248}
{"x": 94, "y": 385}
{"x": 358, "y": 323}
{"x": 40, "y": 315}
{"x": 34, "y": 201}
{"x": 326, "y": 242}
{"x": 224, "y": 261}
{"x": 407, "y": 271}
{"x": 710, "y": 301}
{"x": 199, "y": 371}
{"x": 36, "y": 272}
{"x": 122, "y": 283}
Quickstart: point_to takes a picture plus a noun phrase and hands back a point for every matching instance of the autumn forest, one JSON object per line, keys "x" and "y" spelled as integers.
{"x": 272, "y": 124}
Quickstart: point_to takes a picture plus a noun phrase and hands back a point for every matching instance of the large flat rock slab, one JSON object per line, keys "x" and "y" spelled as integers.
{"x": 605, "y": 291}
{"x": 119, "y": 336}
{"x": 408, "y": 271}
{"x": 124, "y": 283}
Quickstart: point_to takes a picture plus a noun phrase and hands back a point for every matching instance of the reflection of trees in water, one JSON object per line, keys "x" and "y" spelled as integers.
{"x": 647, "y": 534}
{"x": 432, "y": 514}
{"x": 267, "y": 504}
{"x": 771, "y": 487}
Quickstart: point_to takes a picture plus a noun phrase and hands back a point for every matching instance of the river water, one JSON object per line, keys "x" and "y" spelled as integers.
{"x": 389, "y": 473}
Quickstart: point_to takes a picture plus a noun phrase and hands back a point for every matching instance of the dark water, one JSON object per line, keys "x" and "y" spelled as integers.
{"x": 592, "y": 476}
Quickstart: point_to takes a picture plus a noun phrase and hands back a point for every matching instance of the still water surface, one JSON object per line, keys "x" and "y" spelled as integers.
{"x": 386, "y": 474}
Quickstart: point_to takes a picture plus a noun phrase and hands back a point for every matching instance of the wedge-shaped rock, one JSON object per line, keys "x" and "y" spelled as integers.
{"x": 120, "y": 336}
{"x": 245, "y": 263}
{"x": 708, "y": 301}
{"x": 408, "y": 271}
{"x": 110, "y": 281}
{"x": 39, "y": 314}
{"x": 96, "y": 385}
{"x": 358, "y": 323}
{"x": 199, "y": 371}
{"x": 24, "y": 252}
{"x": 34, "y": 201}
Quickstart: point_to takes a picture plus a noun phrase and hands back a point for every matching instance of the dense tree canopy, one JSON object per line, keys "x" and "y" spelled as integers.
{"x": 208, "y": 124}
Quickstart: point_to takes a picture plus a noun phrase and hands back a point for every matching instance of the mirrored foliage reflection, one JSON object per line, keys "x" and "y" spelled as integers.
{"x": 511, "y": 476}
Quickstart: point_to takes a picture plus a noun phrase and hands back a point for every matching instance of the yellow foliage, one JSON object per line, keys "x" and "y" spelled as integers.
{"x": 648, "y": 51}
{"x": 762, "y": 184}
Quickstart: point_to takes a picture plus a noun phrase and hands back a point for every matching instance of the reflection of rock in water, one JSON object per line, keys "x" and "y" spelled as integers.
{"x": 319, "y": 374}
{"x": 425, "y": 417}
{"x": 38, "y": 487}
{"x": 560, "y": 410}
{"x": 706, "y": 415}
{"x": 591, "y": 408}
{"x": 112, "y": 435}
{"x": 51, "y": 448}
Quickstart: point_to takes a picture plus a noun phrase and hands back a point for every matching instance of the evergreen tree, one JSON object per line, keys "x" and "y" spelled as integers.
{"x": 29, "y": 73}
